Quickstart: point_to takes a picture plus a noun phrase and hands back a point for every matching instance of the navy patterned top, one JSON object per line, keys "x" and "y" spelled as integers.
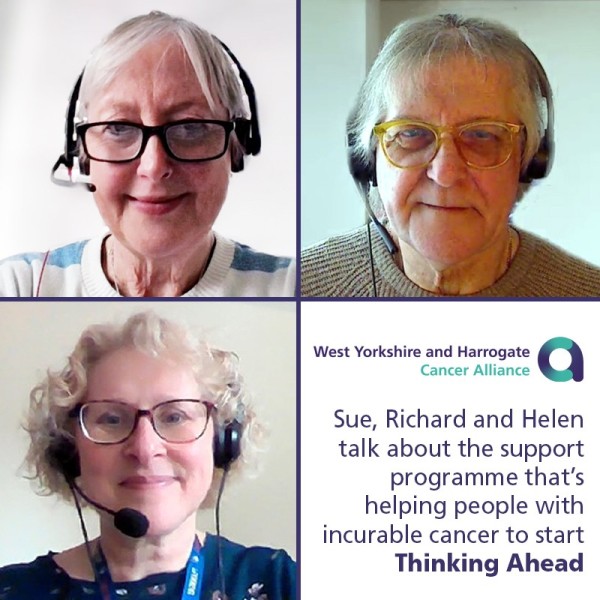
{"x": 254, "y": 573}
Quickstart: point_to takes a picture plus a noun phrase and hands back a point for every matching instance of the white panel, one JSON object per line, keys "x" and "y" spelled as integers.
{"x": 44, "y": 48}
{"x": 427, "y": 479}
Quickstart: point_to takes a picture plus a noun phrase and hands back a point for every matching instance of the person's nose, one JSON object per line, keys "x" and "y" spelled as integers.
{"x": 155, "y": 163}
{"x": 447, "y": 167}
{"x": 144, "y": 443}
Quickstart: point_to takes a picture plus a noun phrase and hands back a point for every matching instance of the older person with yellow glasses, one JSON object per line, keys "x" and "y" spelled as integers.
{"x": 453, "y": 121}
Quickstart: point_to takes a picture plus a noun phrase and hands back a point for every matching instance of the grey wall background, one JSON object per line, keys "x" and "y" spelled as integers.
{"x": 39, "y": 335}
{"x": 44, "y": 45}
{"x": 341, "y": 37}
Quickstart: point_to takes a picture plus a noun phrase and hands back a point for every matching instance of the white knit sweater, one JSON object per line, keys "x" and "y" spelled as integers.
{"x": 76, "y": 271}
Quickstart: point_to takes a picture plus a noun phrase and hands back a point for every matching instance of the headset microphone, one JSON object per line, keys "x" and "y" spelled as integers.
{"x": 62, "y": 455}
{"x": 81, "y": 180}
{"x": 128, "y": 521}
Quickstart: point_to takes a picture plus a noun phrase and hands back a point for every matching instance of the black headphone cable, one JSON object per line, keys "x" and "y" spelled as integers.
{"x": 223, "y": 595}
{"x": 86, "y": 538}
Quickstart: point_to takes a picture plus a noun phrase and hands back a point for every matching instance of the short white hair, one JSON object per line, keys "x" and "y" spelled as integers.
{"x": 217, "y": 74}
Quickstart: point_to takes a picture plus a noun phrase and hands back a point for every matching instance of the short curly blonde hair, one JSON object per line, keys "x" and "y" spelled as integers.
{"x": 215, "y": 370}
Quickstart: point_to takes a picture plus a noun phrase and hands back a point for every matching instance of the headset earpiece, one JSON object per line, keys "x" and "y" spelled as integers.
{"x": 63, "y": 456}
{"x": 227, "y": 444}
{"x": 67, "y": 158}
{"x": 541, "y": 163}
{"x": 363, "y": 174}
{"x": 246, "y": 130}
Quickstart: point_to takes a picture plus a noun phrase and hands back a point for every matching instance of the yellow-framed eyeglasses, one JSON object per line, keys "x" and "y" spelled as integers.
{"x": 409, "y": 144}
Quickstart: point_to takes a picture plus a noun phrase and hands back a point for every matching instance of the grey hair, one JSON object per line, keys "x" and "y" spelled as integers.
{"x": 215, "y": 370}
{"x": 417, "y": 44}
{"x": 217, "y": 74}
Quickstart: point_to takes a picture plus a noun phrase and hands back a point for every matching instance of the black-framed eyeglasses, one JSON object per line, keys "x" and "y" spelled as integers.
{"x": 189, "y": 140}
{"x": 112, "y": 422}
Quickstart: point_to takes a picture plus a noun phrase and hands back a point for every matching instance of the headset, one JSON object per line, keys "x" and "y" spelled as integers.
{"x": 246, "y": 130}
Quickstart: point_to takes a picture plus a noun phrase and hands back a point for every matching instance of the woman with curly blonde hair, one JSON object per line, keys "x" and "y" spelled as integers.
{"x": 143, "y": 423}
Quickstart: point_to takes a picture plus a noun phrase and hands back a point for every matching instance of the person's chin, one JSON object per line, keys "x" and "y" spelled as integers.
{"x": 157, "y": 241}
{"x": 163, "y": 524}
{"x": 443, "y": 251}
{"x": 166, "y": 516}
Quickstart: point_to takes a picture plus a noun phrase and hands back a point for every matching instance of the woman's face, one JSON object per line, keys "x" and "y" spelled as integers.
{"x": 165, "y": 481}
{"x": 447, "y": 211}
{"x": 157, "y": 206}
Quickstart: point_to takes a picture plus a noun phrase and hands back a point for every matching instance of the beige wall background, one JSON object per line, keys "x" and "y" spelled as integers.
{"x": 341, "y": 37}
{"x": 39, "y": 335}
{"x": 44, "y": 46}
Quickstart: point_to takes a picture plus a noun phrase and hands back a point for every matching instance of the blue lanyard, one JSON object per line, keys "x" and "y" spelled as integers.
{"x": 193, "y": 574}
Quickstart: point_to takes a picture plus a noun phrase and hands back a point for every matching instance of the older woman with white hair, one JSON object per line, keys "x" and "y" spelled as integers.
{"x": 161, "y": 117}
{"x": 452, "y": 123}
{"x": 143, "y": 423}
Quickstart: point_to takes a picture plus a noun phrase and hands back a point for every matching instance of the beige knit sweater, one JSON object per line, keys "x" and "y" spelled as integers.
{"x": 341, "y": 267}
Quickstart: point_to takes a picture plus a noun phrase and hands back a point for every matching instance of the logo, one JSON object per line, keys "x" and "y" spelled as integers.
{"x": 574, "y": 370}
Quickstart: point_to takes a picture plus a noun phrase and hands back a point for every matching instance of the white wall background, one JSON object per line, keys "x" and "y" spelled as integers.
{"x": 43, "y": 48}
{"x": 340, "y": 38}
{"x": 37, "y": 336}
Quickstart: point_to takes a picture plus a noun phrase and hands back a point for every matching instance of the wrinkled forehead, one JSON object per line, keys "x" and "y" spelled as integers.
{"x": 449, "y": 80}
